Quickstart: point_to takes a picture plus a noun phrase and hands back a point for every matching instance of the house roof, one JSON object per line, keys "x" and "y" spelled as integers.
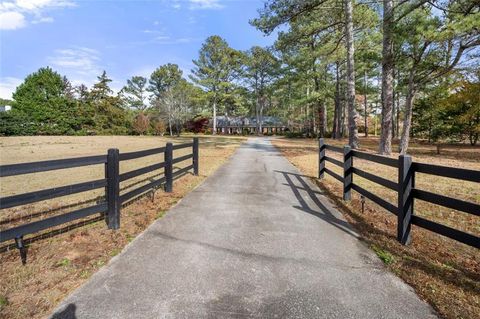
{"x": 244, "y": 120}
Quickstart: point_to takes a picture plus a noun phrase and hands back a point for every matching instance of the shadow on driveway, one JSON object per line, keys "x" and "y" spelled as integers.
{"x": 319, "y": 210}
{"x": 67, "y": 313}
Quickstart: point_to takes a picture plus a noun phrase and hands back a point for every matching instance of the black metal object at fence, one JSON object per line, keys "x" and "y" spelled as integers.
{"x": 405, "y": 188}
{"x": 113, "y": 199}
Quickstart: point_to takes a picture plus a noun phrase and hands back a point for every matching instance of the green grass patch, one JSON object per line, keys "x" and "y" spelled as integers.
{"x": 385, "y": 256}
{"x": 99, "y": 263}
{"x": 115, "y": 252}
{"x": 3, "y": 302}
{"x": 84, "y": 274}
{"x": 65, "y": 262}
{"x": 129, "y": 237}
{"x": 160, "y": 214}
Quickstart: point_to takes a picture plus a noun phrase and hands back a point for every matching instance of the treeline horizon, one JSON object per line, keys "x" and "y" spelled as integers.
{"x": 339, "y": 67}
{"x": 46, "y": 103}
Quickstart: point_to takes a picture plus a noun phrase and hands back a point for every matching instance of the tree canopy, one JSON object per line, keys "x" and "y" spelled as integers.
{"x": 337, "y": 67}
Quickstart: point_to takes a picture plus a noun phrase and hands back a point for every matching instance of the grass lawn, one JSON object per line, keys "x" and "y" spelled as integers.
{"x": 442, "y": 271}
{"x": 56, "y": 265}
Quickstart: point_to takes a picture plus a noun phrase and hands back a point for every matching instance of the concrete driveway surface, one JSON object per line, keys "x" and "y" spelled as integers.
{"x": 255, "y": 240}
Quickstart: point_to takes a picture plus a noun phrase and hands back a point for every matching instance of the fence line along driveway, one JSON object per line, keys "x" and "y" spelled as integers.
{"x": 256, "y": 239}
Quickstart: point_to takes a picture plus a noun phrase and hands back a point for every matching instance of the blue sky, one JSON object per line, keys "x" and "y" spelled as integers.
{"x": 80, "y": 38}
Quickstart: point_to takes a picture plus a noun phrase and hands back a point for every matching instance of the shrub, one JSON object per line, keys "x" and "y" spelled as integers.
{"x": 141, "y": 124}
{"x": 291, "y": 134}
{"x": 14, "y": 123}
{"x": 159, "y": 127}
{"x": 198, "y": 125}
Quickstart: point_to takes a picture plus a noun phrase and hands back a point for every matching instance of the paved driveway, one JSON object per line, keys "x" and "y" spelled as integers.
{"x": 255, "y": 240}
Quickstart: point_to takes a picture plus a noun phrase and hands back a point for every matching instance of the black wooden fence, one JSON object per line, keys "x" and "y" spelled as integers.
{"x": 405, "y": 188}
{"x": 111, "y": 206}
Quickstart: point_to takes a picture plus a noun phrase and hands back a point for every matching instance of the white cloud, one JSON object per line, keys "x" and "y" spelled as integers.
{"x": 157, "y": 29}
{"x": 176, "y": 4}
{"x": 11, "y": 20}
{"x": 80, "y": 64}
{"x": 195, "y": 4}
{"x": 80, "y": 59}
{"x": 14, "y": 14}
{"x": 169, "y": 40}
{"x": 159, "y": 35}
{"x": 115, "y": 85}
{"x": 8, "y": 86}
{"x": 6, "y": 6}
{"x": 43, "y": 20}
{"x": 153, "y": 31}
{"x": 205, "y": 4}
{"x": 34, "y": 5}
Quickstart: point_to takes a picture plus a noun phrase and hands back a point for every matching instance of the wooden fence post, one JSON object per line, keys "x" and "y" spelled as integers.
{"x": 113, "y": 189}
{"x": 195, "y": 156}
{"x": 106, "y": 187}
{"x": 168, "y": 168}
{"x": 347, "y": 173}
{"x": 321, "y": 158}
{"x": 406, "y": 182}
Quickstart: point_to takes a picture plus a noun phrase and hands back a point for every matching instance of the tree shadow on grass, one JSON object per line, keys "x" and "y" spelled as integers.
{"x": 178, "y": 173}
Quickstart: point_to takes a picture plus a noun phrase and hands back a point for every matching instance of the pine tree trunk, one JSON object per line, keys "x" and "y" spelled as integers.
{"x": 257, "y": 115}
{"x": 307, "y": 116}
{"x": 323, "y": 119}
{"x": 385, "y": 146}
{"x": 398, "y": 113}
{"x": 323, "y": 110}
{"x": 261, "y": 116}
{"x": 214, "y": 116}
{"x": 407, "y": 121}
{"x": 314, "y": 122}
{"x": 336, "y": 114}
{"x": 394, "y": 95}
{"x": 398, "y": 103}
{"x": 343, "y": 103}
{"x": 343, "y": 129}
{"x": 365, "y": 104}
{"x": 352, "y": 112}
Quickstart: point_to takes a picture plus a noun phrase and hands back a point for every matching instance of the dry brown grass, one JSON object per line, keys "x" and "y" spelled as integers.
{"x": 442, "y": 271}
{"x": 56, "y": 265}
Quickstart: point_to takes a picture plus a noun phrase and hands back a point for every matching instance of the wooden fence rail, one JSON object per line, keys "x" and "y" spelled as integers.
{"x": 405, "y": 188}
{"x": 113, "y": 199}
